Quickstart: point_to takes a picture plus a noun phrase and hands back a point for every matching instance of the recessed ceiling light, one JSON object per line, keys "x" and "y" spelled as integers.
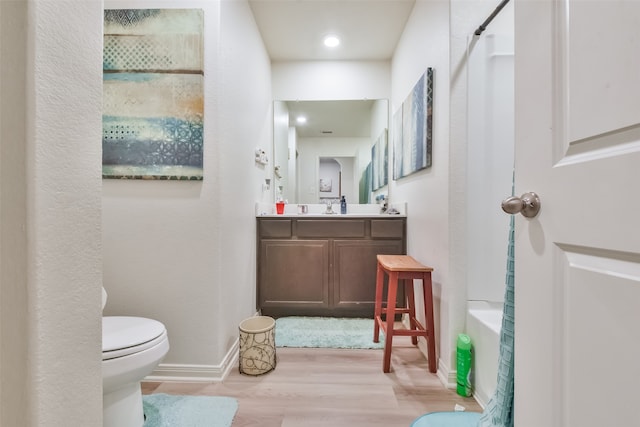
{"x": 331, "y": 41}
{"x": 301, "y": 119}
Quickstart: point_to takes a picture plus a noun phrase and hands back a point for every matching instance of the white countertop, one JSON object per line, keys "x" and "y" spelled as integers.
{"x": 318, "y": 210}
{"x": 331, "y": 216}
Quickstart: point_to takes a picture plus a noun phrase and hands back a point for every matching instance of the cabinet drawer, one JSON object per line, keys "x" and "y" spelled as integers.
{"x": 275, "y": 228}
{"x": 331, "y": 228}
{"x": 387, "y": 228}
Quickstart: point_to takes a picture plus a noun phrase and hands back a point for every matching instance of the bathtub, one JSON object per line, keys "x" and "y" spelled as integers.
{"x": 484, "y": 321}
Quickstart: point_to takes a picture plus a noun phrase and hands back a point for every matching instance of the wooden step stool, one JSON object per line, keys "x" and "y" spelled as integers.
{"x": 403, "y": 267}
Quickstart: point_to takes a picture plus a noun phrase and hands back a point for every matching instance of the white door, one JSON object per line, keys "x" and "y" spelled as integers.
{"x": 577, "y": 278}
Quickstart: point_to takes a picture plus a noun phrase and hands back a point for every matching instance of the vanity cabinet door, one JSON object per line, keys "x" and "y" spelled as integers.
{"x": 354, "y": 274}
{"x": 293, "y": 274}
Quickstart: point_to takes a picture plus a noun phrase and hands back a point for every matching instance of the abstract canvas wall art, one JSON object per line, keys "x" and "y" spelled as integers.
{"x": 380, "y": 161}
{"x": 365, "y": 185}
{"x": 396, "y": 142}
{"x": 413, "y": 149}
{"x": 153, "y": 94}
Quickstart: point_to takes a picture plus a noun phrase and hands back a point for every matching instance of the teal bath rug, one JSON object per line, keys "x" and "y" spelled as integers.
{"x": 447, "y": 419}
{"x": 326, "y": 332}
{"x": 166, "y": 410}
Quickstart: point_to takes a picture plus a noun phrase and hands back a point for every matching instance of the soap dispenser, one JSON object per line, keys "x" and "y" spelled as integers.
{"x": 343, "y": 206}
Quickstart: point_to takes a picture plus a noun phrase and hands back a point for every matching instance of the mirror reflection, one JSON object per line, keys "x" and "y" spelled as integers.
{"x": 323, "y": 149}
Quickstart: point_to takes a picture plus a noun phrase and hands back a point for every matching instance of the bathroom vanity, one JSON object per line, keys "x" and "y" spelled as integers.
{"x": 323, "y": 265}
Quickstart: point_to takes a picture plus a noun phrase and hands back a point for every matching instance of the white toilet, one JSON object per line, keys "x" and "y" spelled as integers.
{"x": 132, "y": 347}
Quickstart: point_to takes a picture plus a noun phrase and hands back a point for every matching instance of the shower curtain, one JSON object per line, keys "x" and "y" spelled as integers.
{"x": 499, "y": 410}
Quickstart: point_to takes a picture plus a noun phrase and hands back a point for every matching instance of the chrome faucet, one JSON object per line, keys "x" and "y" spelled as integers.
{"x": 329, "y": 210}
{"x": 382, "y": 200}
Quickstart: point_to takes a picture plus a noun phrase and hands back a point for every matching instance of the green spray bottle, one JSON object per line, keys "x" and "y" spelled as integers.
{"x": 464, "y": 353}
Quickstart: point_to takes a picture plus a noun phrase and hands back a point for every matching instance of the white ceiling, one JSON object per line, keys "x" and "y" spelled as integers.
{"x": 292, "y": 30}
{"x": 334, "y": 119}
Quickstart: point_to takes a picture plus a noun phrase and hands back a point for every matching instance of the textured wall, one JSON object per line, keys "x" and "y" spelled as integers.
{"x": 64, "y": 265}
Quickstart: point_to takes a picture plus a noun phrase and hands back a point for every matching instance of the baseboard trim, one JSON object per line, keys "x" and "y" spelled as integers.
{"x": 174, "y": 372}
{"x": 448, "y": 377}
{"x": 482, "y": 400}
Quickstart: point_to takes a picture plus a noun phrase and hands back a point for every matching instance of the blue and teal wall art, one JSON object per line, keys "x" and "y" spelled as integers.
{"x": 153, "y": 94}
{"x": 379, "y": 161}
{"x": 413, "y": 129}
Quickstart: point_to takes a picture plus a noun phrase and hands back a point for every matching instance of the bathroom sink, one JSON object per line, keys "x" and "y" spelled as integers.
{"x": 318, "y": 210}
{"x": 333, "y": 215}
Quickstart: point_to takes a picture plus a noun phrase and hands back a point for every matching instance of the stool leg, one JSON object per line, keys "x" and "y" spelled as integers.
{"x": 377, "y": 311}
{"x": 411, "y": 303}
{"x": 428, "y": 307}
{"x": 390, "y": 319}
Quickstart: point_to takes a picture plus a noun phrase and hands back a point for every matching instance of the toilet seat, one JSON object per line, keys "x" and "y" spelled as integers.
{"x": 124, "y": 336}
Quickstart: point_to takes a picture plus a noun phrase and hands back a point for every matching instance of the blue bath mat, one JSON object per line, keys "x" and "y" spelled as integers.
{"x": 447, "y": 419}
{"x": 166, "y": 410}
{"x": 326, "y": 332}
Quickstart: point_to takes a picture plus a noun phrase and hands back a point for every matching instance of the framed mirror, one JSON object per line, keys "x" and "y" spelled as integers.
{"x": 323, "y": 149}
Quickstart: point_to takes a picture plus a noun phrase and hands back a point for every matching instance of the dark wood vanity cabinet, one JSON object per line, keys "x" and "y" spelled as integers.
{"x": 314, "y": 266}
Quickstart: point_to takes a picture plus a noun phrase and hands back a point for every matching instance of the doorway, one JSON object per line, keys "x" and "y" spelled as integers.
{"x": 336, "y": 179}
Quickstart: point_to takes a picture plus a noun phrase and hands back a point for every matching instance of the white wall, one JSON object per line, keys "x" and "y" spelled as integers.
{"x": 292, "y": 173}
{"x": 436, "y": 36}
{"x": 50, "y": 247}
{"x": 437, "y": 207}
{"x": 281, "y": 152}
{"x": 379, "y": 117}
{"x": 424, "y": 44}
{"x": 184, "y": 252}
{"x": 245, "y": 118}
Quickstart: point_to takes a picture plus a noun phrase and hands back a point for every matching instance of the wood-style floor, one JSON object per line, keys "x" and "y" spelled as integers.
{"x": 332, "y": 388}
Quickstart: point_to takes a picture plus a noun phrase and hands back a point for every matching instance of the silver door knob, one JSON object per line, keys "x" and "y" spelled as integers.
{"x": 528, "y": 205}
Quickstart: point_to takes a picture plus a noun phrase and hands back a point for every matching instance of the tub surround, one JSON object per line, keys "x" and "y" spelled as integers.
{"x": 484, "y": 320}
{"x": 323, "y": 265}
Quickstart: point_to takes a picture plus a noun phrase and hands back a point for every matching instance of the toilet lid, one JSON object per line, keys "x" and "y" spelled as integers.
{"x": 124, "y": 335}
